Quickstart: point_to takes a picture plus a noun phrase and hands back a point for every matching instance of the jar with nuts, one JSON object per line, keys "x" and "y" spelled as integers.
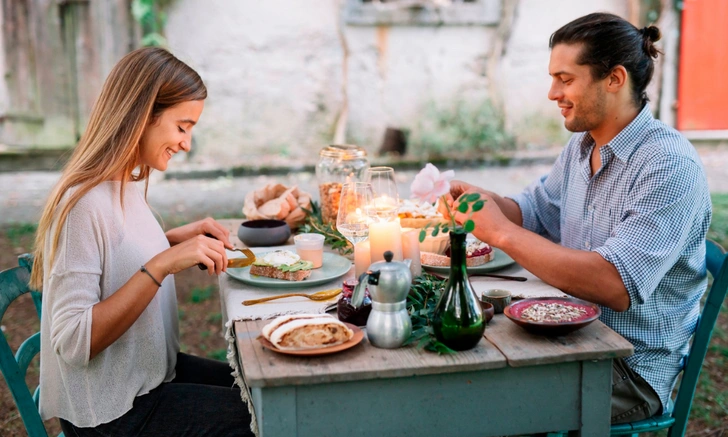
{"x": 338, "y": 164}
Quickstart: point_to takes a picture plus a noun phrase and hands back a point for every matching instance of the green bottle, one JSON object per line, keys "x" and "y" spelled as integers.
{"x": 458, "y": 319}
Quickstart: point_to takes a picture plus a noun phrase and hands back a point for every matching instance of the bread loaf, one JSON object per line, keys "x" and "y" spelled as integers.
{"x": 272, "y": 272}
{"x": 306, "y": 331}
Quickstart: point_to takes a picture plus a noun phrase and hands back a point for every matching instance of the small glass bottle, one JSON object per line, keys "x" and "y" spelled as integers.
{"x": 338, "y": 164}
{"x": 458, "y": 319}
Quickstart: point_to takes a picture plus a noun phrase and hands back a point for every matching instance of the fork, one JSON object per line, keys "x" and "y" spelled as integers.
{"x": 490, "y": 275}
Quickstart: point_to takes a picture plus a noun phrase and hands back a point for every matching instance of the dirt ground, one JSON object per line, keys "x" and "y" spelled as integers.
{"x": 200, "y": 332}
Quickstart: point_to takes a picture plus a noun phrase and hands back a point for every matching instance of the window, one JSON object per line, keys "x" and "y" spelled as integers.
{"x": 423, "y": 12}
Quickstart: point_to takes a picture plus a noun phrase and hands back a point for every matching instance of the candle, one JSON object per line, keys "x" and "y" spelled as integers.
{"x": 383, "y": 237}
{"x": 362, "y": 258}
{"x": 411, "y": 250}
{"x": 385, "y": 207}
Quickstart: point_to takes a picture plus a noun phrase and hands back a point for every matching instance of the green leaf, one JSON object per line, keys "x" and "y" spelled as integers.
{"x": 463, "y": 207}
{"x": 423, "y": 235}
{"x": 436, "y": 231}
{"x": 472, "y": 197}
{"x": 477, "y": 206}
{"x": 469, "y": 226}
{"x": 445, "y": 229}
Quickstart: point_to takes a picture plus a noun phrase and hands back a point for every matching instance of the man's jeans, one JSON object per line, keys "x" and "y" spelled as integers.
{"x": 200, "y": 401}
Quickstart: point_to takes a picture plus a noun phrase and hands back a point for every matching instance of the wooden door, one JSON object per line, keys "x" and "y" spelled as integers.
{"x": 57, "y": 54}
{"x": 702, "y": 86}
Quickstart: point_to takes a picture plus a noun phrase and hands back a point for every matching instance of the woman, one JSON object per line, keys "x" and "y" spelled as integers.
{"x": 110, "y": 360}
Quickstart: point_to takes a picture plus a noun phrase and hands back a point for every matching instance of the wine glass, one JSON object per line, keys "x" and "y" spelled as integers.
{"x": 386, "y": 197}
{"x": 355, "y": 212}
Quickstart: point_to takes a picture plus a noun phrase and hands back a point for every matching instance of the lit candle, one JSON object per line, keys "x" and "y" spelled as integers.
{"x": 362, "y": 258}
{"x": 383, "y": 237}
{"x": 411, "y": 250}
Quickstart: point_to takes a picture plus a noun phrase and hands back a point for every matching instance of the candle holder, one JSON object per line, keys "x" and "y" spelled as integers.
{"x": 386, "y": 197}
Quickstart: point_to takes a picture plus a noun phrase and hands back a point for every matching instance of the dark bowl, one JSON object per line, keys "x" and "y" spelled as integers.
{"x": 488, "y": 310}
{"x": 514, "y": 311}
{"x": 264, "y": 233}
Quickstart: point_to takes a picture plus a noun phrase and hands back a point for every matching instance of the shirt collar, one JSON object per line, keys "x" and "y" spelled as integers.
{"x": 624, "y": 143}
{"x": 628, "y": 139}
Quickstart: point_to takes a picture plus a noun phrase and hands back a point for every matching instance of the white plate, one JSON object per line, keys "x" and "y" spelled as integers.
{"x": 334, "y": 266}
{"x": 500, "y": 261}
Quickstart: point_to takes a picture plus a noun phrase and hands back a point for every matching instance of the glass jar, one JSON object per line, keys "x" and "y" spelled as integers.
{"x": 338, "y": 164}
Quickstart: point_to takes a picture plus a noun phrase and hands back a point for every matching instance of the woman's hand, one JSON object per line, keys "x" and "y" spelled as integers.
{"x": 196, "y": 250}
{"x": 200, "y": 227}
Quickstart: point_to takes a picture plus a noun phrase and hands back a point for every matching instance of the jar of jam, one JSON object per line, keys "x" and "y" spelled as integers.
{"x": 338, "y": 164}
{"x": 349, "y": 314}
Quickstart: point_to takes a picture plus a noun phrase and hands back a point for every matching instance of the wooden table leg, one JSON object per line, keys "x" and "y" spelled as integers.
{"x": 275, "y": 409}
{"x": 596, "y": 398}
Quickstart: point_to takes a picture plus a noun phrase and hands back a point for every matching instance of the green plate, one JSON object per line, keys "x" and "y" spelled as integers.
{"x": 501, "y": 260}
{"x": 334, "y": 266}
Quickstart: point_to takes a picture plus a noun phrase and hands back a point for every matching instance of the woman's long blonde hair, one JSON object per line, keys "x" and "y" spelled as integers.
{"x": 139, "y": 88}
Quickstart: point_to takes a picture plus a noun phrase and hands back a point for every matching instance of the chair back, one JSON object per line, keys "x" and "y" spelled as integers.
{"x": 715, "y": 257}
{"x": 14, "y": 283}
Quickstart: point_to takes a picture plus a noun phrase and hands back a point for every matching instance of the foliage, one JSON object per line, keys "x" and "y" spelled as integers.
{"x": 201, "y": 294}
{"x": 151, "y": 18}
{"x": 471, "y": 202}
{"x": 719, "y": 225}
{"x": 20, "y": 231}
{"x": 422, "y": 300}
{"x": 315, "y": 224}
{"x": 218, "y": 354}
{"x": 462, "y": 127}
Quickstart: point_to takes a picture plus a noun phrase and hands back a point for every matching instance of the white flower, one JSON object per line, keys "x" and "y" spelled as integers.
{"x": 429, "y": 184}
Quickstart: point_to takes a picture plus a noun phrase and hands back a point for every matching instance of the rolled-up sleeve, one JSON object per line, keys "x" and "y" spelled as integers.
{"x": 659, "y": 213}
{"x": 540, "y": 202}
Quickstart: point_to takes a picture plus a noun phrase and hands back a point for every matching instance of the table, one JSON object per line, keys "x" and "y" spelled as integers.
{"x": 512, "y": 383}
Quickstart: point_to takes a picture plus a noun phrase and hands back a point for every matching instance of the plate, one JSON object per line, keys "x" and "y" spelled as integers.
{"x": 356, "y": 339}
{"x": 501, "y": 260}
{"x": 334, "y": 266}
{"x": 514, "y": 310}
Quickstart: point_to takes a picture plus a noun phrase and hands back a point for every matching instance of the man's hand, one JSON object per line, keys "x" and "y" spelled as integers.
{"x": 200, "y": 227}
{"x": 490, "y": 222}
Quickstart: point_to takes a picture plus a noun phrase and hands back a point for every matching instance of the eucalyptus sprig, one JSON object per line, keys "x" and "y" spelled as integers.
{"x": 471, "y": 202}
{"x": 422, "y": 300}
{"x": 315, "y": 223}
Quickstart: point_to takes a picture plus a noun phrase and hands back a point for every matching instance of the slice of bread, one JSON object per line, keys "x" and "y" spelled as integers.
{"x": 272, "y": 272}
{"x": 433, "y": 259}
{"x": 419, "y": 223}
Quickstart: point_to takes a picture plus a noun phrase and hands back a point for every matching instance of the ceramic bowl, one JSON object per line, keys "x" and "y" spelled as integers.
{"x": 498, "y": 298}
{"x": 514, "y": 311}
{"x": 488, "y": 310}
{"x": 255, "y": 233}
{"x": 437, "y": 244}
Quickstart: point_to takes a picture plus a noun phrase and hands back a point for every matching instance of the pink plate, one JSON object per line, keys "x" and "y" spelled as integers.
{"x": 514, "y": 311}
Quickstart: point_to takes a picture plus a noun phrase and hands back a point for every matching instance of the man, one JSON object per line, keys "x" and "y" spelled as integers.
{"x": 621, "y": 218}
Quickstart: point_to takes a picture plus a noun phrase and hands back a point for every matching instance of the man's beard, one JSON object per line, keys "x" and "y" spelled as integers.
{"x": 591, "y": 113}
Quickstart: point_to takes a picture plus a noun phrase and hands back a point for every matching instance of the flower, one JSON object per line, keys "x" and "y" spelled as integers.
{"x": 429, "y": 184}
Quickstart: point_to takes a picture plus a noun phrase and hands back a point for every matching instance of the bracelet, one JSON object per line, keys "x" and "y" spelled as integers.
{"x": 144, "y": 270}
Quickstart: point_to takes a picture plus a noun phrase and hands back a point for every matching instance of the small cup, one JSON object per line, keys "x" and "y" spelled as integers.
{"x": 310, "y": 247}
{"x": 256, "y": 233}
{"x": 498, "y": 298}
{"x": 488, "y": 310}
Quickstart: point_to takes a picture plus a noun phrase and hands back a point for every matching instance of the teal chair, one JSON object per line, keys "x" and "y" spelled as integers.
{"x": 13, "y": 283}
{"x": 677, "y": 419}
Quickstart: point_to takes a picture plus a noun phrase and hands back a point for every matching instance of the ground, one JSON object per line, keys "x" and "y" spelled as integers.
{"x": 200, "y": 330}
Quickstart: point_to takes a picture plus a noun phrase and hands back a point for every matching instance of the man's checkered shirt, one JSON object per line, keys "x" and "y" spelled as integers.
{"x": 646, "y": 211}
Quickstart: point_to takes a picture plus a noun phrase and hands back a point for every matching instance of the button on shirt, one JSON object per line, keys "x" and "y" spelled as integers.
{"x": 646, "y": 211}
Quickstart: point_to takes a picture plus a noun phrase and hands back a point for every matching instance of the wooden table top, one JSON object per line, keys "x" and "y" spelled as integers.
{"x": 504, "y": 344}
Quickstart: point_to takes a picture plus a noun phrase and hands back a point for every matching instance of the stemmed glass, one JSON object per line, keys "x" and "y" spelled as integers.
{"x": 386, "y": 197}
{"x": 355, "y": 212}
